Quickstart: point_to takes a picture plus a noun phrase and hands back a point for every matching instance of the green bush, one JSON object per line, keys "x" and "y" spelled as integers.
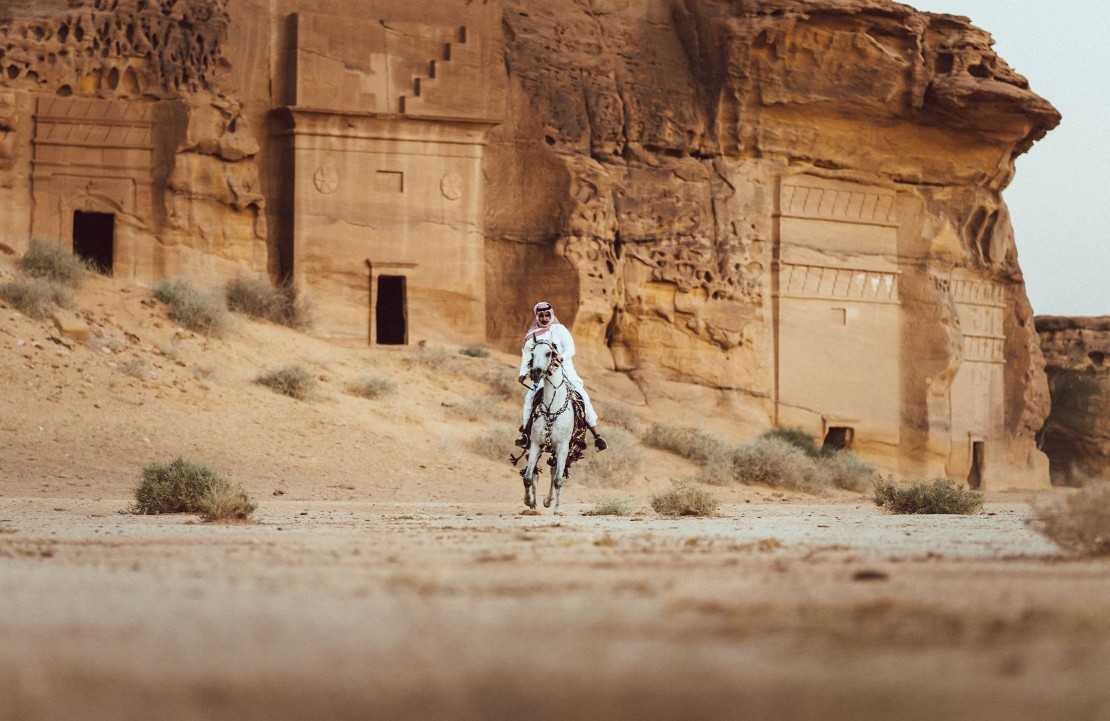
{"x": 941, "y": 495}
{"x": 49, "y": 261}
{"x": 615, "y": 505}
{"x": 35, "y": 297}
{"x": 686, "y": 441}
{"x": 685, "y": 499}
{"x": 292, "y": 380}
{"x": 198, "y": 310}
{"x": 1081, "y": 524}
{"x": 616, "y": 467}
{"x": 373, "y": 386}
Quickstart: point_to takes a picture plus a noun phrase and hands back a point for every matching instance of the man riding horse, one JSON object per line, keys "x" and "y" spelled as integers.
{"x": 547, "y": 327}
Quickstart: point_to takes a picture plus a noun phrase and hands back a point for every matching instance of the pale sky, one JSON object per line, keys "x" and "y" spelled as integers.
{"x": 1060, "y": 198}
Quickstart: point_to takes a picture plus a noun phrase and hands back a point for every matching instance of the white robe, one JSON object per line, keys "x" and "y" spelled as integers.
{"x": 562, "y": 340}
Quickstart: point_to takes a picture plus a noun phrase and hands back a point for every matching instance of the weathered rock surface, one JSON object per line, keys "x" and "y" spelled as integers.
{"x": 784, "y": 212}
{"x": 794, "y": 202}
{"x": 1076, "y": 435}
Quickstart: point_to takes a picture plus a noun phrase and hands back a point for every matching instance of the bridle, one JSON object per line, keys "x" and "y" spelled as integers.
{"x": 548, "y": 414}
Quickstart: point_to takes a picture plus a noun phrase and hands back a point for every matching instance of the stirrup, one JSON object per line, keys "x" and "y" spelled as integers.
{"x": 522, "y": 442}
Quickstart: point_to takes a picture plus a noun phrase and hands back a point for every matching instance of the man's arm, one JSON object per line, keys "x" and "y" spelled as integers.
{"x": 525, "y": 357}
{"x": 566, "y": 342}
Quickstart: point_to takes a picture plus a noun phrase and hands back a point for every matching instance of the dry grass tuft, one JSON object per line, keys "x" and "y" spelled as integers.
{"x": 373, "y": 386}
{"x": 1081, "y": 524}
{"x": 941, "y": 495}
{"x": 475, "y": 351}
{"x": 615, "y": 505}
{"x": 798, "y": 438}
{"x": 292, "y": 380}
{"x": 685, "y": 499}
{"x": 190, "y": 307}
{"x": 259, "y": 298}
{"x": 51, "y": 262}
{"x": 846, "y": 470}
{"x": 688, "y": 442}
{"x": 616, "y": 467}
{"x": 35, "y": 297}
{"x": 223, "y": 501}
{"x": 770, "y": 462}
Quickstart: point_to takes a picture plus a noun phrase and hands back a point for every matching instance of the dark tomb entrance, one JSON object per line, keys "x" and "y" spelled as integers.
{"x": 839, "y": 438}
{"x": 390, "y": 312}
{"x": 94, "y": 239}
{"x": 975, "y": 475}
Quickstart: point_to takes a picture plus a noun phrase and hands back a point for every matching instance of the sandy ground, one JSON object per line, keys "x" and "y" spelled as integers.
{"x": 391, "y": 574}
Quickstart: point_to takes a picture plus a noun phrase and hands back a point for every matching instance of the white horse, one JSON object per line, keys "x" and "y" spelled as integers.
{"x": 552, "y": 425}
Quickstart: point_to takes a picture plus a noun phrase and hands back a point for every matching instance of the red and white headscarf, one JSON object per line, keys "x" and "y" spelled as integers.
{"x": 535, "y": 330}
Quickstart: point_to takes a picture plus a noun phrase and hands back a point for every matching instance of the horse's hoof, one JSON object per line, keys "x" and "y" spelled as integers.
{"x": 547, "y": 503}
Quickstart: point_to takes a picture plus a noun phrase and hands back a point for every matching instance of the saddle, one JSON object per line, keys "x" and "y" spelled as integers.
{"x": 577, "y": 436}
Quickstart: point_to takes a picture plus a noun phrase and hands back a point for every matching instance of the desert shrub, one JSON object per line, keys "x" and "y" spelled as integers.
{"x": 941, "y": 495}
{"x": 474, "y": 408}
{"x": 686, "y": 441}
{"x": 223, "y": 501}
{"x": 621, "y": 415}
{"x": 475, "y": 351}
{"x": 49, "y": 261}
{"x": 373, "y": 386}
{"x": 174, "y": 487}
{"x": 259, "y": 298}
{"x": 35, "y": 297}
{"x": 292, "y": 380}
{"x": 796, "y": 437}
{"x": 256, "y": 297}
{"x": 618, "y": 466}
{"x": 1081, "y": 524}
{"x": 768, "y": 462}
{"x": 496, "y": 442}
{"x": 504, "y": 387}
{"x": 846, "y": 470}
{"x": 433, "y": 356}
{"x": 615, "y": 505}
{"x": 685, "y": 499}
{"x": 190, "y": 307}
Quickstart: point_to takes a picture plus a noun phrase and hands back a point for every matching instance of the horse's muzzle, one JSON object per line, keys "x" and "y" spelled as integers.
{"x": 536, "y": 375}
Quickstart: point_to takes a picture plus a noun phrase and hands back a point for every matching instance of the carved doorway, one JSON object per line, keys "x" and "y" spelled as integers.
{"x": 839, "y": 438}
{"x": 94, "y": 236}
{"x": 975, "y": 474}
{"x": 390, "y": 312}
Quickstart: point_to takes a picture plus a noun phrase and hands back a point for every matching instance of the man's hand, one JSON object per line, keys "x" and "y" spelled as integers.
{"x": 521, "y": 379}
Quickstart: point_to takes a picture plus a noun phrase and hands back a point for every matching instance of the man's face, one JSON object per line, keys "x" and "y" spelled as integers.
{"x": 544, "y": 317}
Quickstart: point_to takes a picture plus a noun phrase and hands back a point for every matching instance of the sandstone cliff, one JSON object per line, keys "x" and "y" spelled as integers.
{"x": 1076, "y": 435}
{"x": 783, "y": 212}
{"x": 698, "y": 165}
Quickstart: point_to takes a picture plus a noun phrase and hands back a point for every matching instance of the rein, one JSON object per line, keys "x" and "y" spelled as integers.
{"x": 545, "y": 409}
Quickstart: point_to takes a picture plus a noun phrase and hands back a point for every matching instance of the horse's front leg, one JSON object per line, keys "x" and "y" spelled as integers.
{"x": 555, "y": 493}
{"x": 531, "y": 492}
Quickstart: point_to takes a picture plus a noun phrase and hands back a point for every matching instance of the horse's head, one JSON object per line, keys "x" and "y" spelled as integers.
{"x": 542, "y": 353}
